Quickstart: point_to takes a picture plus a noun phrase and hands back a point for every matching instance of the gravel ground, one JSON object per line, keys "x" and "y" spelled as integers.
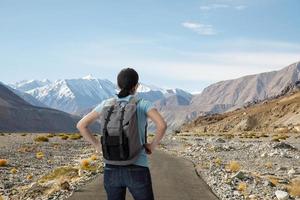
{"x": 233, "y": 168}
{"x": 242, "y": 168}
{"x": 21, "y": 177}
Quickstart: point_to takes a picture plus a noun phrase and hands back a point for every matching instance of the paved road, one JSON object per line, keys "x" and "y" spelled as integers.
{"x": 173, "y": 178}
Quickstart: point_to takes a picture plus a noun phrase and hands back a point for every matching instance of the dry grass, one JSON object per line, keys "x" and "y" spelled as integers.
{"x": 64, "y": 137}
{"x": 242, "y": 186}
{"x": 294, "y": 188}
{"x": 13, "y": 170}
{"x": 269, "y": 165}
{"x": 85, "y": 163}
{"x": 274, "y": 180}
{"x": 3, "y": 162}
{"x": 234, "y": 166}
{"x": 50, "y": 135}
{"x": 29, "y": 177}
{"x": 275, "y": 139}
{"x": 75, "y": 136}
{"x": 40, "y": 155}
{"x": 41, "y": 138}
{"x": 94, "y": 157}
{"x": 218, "y": 161}
{"x": 229, "y": 136}
{"x": 66, "y": 171}
{"x": 25, "y": 149}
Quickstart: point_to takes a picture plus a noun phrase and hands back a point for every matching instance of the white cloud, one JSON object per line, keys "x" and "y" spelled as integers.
{"x": 213, "y": 6}
{"x": 202, "y": 29}
{"x": 192, "y": 68}
{"x": 240, "y": 7}
{"x": 205, "y": 7}
{"x": 223, "y": 66}
{"x": 221, "y": 6}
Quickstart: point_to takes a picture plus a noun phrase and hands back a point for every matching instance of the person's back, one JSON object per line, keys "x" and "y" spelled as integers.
{"x": 135, "y": 176}
{"x": 143, "y": 106}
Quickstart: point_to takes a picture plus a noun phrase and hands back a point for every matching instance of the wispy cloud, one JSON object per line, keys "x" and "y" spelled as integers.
{"x": 214, "y": 6}
{"x": 221, "y": 6}
{"x": 202, "y": 29}
{"x": 240, "y": 7}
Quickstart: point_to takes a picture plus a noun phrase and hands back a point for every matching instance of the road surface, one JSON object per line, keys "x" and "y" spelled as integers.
{"x": 173, "y": 178}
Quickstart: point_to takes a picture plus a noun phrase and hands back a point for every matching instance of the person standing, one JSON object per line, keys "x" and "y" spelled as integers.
{"x": 135, "y": 176}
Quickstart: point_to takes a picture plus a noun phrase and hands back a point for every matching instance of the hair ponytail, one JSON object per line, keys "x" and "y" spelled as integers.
{"x": 128, "y": 78}
{"x": 123, "y": 93}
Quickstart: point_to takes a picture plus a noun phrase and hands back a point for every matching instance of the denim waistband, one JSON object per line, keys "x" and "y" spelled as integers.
{"x": 124, "y": 166}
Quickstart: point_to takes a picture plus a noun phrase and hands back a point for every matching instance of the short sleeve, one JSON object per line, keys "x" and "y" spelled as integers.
{"x": 99, "y": 107}
{"x": 146, "y": 105}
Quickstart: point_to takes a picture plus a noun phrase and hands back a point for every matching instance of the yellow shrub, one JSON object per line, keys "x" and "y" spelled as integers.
{"x": 41, "y": 138}
{"x": 39, "y": 155}
{"x": 242, "y": 186}
{"x": 234, "y": 166}
{"x": 218, "y": 161}
{"x": 85, "y": 163}
{"x": 273, "y": 180}
{"x": 3, "y": 162}
{"x": 94, "y": 157}
{"x": 50, "y": 135}
{"x": 269, "y": 165}
{"x": 294, "y": 188}
{"x": 64, "y": 137}
{"x": 29, "y": 177}
{"x": 60, "y": 172}
{"x": 275, "y": 139}
{"x": 75, "y": 136}
{"x": 13, "y": 170}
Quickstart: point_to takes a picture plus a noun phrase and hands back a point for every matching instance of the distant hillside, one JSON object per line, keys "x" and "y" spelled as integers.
{"x": 17, "y": 115}
{"x": 281, "y": 114}
{"x": 231, "y": 94}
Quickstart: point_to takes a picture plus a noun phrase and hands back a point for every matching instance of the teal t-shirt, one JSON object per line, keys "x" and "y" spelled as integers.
{"x": 143, "y": 107}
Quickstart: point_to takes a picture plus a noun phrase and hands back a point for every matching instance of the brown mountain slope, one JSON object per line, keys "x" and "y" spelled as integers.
{"x": 17, "y": 115}
{"x": 232, "y": 94}
{"x": 278, "y": 115}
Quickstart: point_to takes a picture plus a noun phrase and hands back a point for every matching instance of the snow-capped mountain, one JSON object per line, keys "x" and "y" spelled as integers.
{"x": 17, "y": 115}
{"x": 27, "y": 85}
{"x": 73, "y": 95}
{"x": 81, "y": 94}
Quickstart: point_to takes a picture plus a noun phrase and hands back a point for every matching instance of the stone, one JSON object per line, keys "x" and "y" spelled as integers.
{"x": 220, "y": 140}
{"x": 291, "y": 172}
{"x": 283, "y": 145}
{"x": 65, "y": 185}
{"x": 281, "y": 195}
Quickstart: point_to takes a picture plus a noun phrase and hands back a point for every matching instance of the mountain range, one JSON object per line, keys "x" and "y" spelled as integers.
{"x": 17, "y": 115}
{"x": 79, "y": 96}
{"x": 231, "y": 94}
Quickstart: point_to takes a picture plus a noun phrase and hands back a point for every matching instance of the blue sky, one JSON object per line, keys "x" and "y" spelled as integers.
{"x": 171, "y": 43}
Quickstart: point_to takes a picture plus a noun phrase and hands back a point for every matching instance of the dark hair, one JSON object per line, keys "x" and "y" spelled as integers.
{"x": 127, "y": 80}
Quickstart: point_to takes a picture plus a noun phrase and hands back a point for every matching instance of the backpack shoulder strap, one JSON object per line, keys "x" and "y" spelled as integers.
{"x": 135, "y": 100}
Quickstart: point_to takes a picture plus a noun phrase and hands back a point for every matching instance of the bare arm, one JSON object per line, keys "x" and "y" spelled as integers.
{"x": 82, "y": 126}
{"x": 161, "y": 127}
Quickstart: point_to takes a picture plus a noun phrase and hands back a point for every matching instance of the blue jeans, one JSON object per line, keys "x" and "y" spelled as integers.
{"x": 136, "y": 178}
